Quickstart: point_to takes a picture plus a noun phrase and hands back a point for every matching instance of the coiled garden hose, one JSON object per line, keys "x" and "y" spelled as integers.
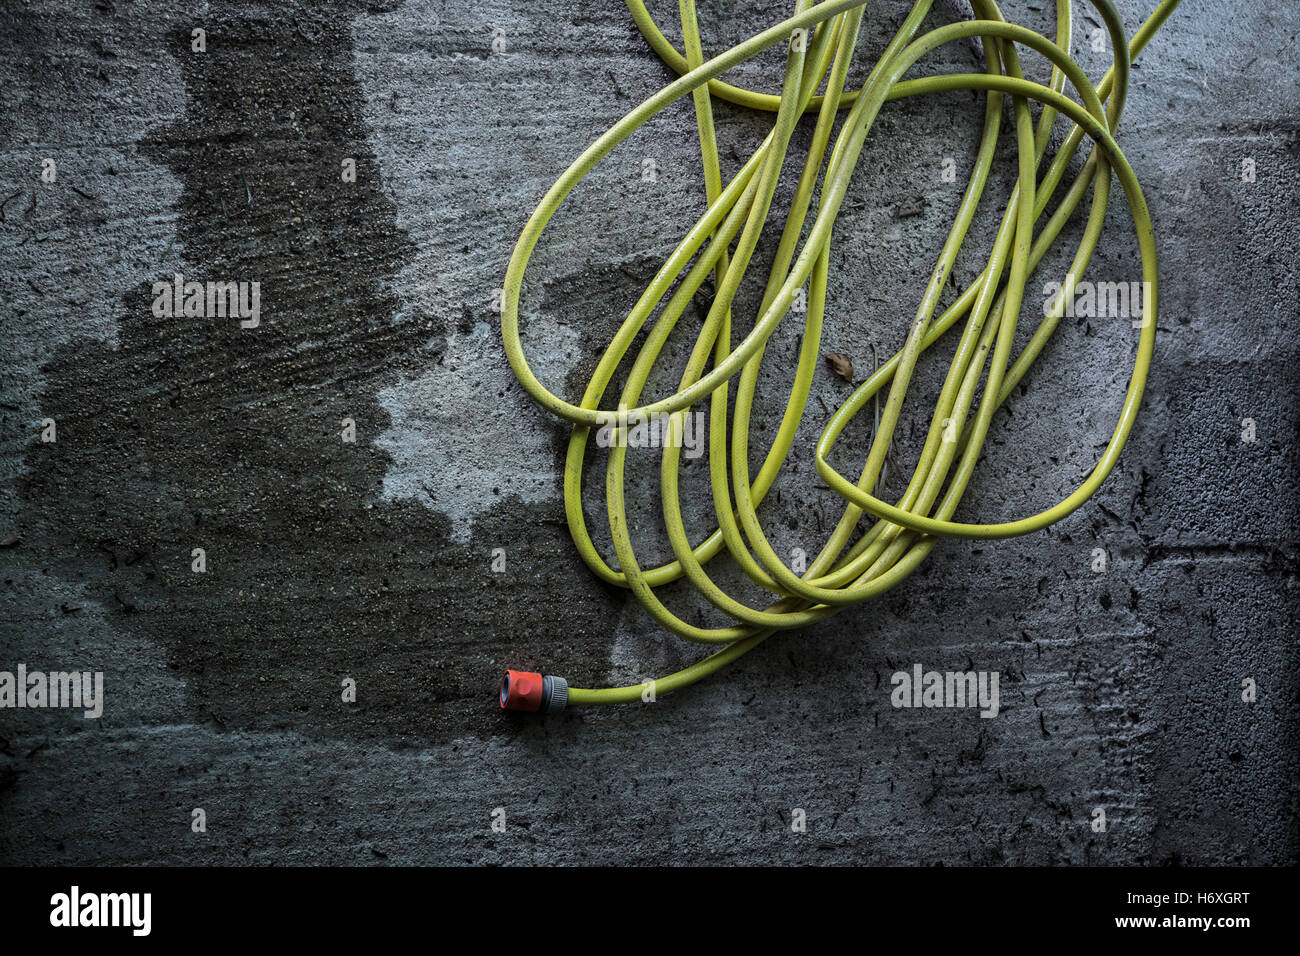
{"x": 822, "y": 38}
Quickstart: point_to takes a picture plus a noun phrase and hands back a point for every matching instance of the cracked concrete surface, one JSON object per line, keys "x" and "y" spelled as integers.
{"x": 371, "y": 560}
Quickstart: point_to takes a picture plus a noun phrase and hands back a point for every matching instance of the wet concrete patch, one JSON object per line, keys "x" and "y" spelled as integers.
{"x": 197, "y": 433}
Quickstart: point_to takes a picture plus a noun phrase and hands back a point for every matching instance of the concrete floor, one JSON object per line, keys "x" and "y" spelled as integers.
{"x": 372, "y": 560}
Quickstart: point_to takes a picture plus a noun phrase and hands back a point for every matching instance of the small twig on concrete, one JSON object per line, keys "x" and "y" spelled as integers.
{"x": 6, "y": 202}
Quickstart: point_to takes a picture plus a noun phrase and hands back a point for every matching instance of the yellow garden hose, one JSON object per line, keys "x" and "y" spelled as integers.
{"x": 822, "y": 39}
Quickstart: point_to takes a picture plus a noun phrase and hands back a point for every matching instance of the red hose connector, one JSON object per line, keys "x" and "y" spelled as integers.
{"x": 525, "y": 690}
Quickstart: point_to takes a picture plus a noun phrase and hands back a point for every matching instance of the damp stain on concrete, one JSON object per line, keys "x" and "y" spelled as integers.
{"x": 196, "y": 433}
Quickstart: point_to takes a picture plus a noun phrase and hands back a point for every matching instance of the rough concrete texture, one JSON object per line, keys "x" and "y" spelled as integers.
{"x": 372, "y": 560}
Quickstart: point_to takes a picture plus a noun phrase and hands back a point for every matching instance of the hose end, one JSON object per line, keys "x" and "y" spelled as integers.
{"x": 526, "y": 690}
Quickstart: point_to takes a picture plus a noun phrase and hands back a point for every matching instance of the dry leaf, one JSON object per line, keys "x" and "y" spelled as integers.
{"x": 840, "y": 365}
{"x": 910, "y": 207}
